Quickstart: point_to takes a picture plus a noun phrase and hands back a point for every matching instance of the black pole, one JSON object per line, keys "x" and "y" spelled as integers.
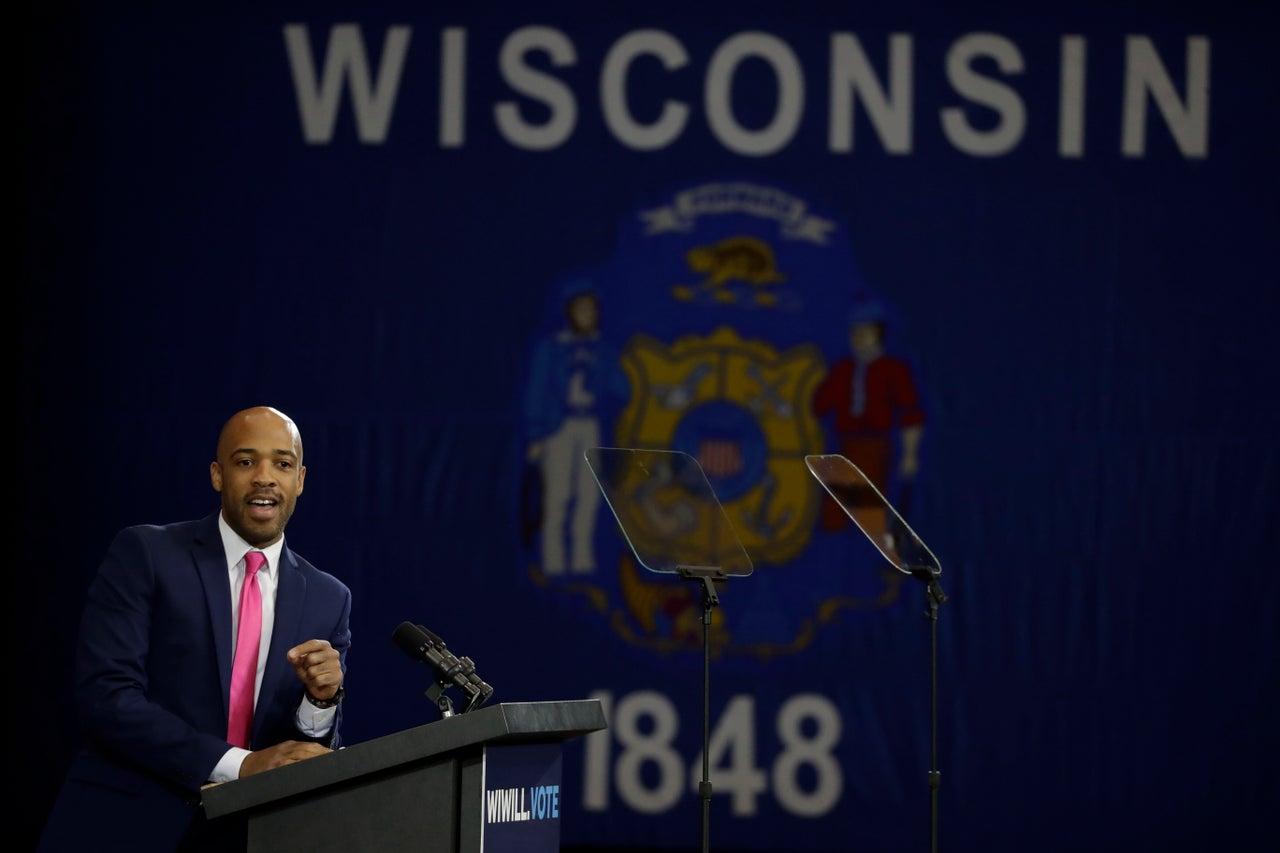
{"x": 709, "y": 600}
{"x": 935, "y": 777}
{"x": 934, "y": 596}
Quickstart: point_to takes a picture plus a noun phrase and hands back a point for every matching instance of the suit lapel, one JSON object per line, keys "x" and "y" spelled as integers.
{"x": 211, "y": 565}
{"x": 291, "y": 588}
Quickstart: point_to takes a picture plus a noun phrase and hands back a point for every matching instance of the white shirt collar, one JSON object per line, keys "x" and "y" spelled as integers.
{"x": 235, "y": 548}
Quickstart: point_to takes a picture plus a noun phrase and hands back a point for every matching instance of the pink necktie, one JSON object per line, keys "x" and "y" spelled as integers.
{"x": 244, "y": 671}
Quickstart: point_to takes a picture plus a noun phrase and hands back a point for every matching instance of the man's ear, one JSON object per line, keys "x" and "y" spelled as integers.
{"x": 302, "y": 477}
{"x": 215, "y": 476}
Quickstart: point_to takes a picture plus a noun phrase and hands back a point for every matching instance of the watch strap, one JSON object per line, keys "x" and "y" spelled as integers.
{"x": 326, "y": 703}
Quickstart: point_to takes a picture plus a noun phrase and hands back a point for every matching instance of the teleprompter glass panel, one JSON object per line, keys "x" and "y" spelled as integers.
{"x": 873, "y": 514}
{"x": 668, "y": 512}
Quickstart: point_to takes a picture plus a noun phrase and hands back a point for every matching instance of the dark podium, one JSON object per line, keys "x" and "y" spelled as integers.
{"x": 479, "y": 782}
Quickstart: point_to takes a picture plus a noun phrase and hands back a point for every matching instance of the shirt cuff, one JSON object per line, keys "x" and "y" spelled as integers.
{"x": 313, "y": 721}
{"x": 228, "y": 767}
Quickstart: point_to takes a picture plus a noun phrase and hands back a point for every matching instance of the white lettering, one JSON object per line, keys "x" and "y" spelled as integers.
{"x": 990, "y": 121}
{"x": 719, "y": 89}
{"x": 613, "y": 90}
{"x": 492, "y": 802}
{"x": 1144, "y": 72}
{"x": 345, "y": 60}
{"x": 453, "y": 87}
{"x": 508, "y": 805}
{"x": 1071, "y": 103}
{"x": 805, "y": 776}
{"x": 983, "y": 90}
{"x": 851, "y": 73}
{"x": 553, "y": 93}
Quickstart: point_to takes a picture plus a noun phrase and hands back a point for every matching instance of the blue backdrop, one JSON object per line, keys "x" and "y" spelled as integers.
{"x": 371, "y": 215}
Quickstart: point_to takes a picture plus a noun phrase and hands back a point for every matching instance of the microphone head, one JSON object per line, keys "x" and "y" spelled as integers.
{"x": 411, "y": 638}
{"x": 421, "y": 644}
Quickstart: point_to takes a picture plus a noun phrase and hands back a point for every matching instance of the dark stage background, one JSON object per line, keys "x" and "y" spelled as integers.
{"x": 369, "y": 215}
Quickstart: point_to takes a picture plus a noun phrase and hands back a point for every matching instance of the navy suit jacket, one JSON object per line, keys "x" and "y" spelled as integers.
{"x": 153, "y": 677}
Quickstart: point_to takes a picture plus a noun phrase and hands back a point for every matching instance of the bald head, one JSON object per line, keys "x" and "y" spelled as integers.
{"x": 259, "y": 472}
{"x": 258, "y": 417}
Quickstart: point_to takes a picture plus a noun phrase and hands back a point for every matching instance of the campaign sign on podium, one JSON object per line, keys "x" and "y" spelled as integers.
{"x": 522, "y": 798}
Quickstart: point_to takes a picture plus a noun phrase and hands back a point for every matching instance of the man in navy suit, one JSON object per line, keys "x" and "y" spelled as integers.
{"x": 153, "y": 663}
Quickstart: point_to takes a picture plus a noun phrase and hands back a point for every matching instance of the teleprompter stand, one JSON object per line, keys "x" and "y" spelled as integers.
{"x": 674, "y": 524}
{"x": 889, "y": 532}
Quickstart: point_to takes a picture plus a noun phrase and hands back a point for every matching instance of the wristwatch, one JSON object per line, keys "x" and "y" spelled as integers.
{"x": 327, "y": 703}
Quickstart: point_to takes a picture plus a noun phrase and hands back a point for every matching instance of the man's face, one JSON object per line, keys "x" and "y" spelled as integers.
{"x": 260, "y": 474}
{"x": 864, "y": 337}
{"x": 584, "y": 313}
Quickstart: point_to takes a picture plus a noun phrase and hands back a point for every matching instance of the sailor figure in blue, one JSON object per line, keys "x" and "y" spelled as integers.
{"x": 575, "y": 378}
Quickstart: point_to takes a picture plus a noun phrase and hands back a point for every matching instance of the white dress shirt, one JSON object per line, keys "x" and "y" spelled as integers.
{"x": 310, "y": 719}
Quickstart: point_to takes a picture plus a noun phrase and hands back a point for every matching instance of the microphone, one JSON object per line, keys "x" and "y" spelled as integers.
{"x": 423, "y": 645}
